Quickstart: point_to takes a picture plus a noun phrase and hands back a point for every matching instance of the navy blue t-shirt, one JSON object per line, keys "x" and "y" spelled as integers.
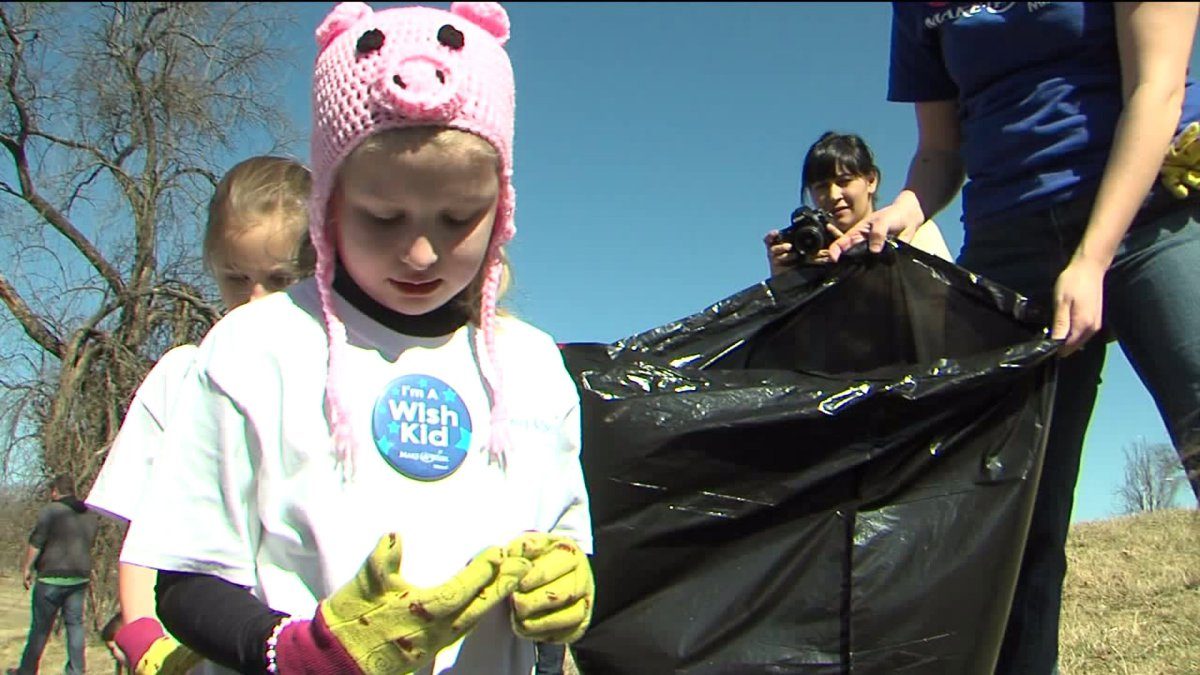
{"x": 1038, "y": 86}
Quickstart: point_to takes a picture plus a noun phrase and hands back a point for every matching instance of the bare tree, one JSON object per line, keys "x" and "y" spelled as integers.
{"x": 115, "y": 119}
{"x": 1152, "y": 477}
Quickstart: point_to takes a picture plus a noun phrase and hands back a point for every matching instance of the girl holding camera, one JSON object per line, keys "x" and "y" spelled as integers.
{"x": 840, "y": 177}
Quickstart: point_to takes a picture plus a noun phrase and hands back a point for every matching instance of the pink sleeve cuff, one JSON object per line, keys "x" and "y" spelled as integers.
{"x": 310, "y": 648}
{"x": 135, "y": 638}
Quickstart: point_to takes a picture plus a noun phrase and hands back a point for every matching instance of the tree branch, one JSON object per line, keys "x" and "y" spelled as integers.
{"x": 57, "y": 219}
{"x": 28, "y": 191}
{"x": 112, "y": 164}
{"x": 192, "y": 170}
{"x": 34, "y": 328}
{"x": 208, "y": 310}
{"x": 78, "y": 189}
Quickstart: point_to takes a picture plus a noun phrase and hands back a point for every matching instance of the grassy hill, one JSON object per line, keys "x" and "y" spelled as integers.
{"x": 1131, "y": 605}
{"x": 1132, "y": 599}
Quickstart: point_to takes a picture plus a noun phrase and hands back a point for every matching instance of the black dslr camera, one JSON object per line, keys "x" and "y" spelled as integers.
{"x": 809, "y": 231}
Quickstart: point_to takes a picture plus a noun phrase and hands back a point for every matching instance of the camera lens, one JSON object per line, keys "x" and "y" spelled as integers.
{"x": 807, "y": 233}
{"x": 808, "y": 240}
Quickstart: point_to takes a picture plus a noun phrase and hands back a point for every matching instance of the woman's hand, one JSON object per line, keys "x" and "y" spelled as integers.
{"x": 1078, "y": 304}
{"x": 780, "y": 256}
{"x": 901, "y": 215}
{"x": 822, "y": 256}
{"x": 1154, "y": 41}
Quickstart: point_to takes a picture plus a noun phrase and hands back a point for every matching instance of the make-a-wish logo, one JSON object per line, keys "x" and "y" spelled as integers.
{"x": 421, "y": 427}
{"x": 945, "y": 12}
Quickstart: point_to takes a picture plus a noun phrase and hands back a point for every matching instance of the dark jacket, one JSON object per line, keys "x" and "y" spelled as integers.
{"x": 64, "y": 534}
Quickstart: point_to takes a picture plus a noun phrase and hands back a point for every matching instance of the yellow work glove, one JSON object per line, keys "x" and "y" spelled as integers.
{"x": 1181, "y": 168}
{"x": 553, "y": 601}
{"x": 167, "y": 657}
{"x": 384, "y": 624}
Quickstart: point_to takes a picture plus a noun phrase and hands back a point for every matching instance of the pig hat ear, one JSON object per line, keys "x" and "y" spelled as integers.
{"x": 489, "y": 16}
{"x": 344, "y": 15}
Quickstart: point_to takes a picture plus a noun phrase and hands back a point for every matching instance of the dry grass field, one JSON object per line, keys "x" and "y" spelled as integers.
{"x": 14, "y": 623}
{"x": 1132, "y": 600}
{"x": 1131, "y": 605}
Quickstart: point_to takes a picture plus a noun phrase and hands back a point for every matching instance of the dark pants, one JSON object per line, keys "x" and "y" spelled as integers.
{"x": 1152, "y": 307}
{"x": 47, "y": 601}
{"x": 550, "y": 658}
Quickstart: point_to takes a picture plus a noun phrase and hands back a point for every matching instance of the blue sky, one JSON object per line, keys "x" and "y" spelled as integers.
{"x": 657, "y": 142}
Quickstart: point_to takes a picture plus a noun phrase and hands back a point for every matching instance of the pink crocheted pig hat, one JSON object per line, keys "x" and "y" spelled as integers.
{"x": 406, "y": 67}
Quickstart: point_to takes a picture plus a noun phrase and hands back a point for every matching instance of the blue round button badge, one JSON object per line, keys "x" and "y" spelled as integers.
{"x": 421, "y": 427}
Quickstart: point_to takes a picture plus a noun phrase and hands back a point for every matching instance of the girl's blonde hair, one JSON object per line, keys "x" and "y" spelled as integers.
{"x": 461, "y": 144}
{"x": 256, "y": 189}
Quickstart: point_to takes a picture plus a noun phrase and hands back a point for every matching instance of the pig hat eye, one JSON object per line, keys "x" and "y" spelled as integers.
{"x": 451, "y": 37}
{"x": 370, "y": 41}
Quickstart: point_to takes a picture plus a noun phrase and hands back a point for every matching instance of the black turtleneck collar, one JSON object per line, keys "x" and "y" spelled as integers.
{"x": 73, "y": 502}
{"x": 441, "y": 321}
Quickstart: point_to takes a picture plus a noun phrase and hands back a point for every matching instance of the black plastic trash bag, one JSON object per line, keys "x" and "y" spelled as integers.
{"x": 829, "y": 472}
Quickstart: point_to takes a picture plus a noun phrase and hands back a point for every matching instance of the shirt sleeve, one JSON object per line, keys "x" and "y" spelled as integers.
{"x": 917, "y": 72}
{"x": 928, "y": 238}
{"x": 575, "y": 520}
{"x": 222, "y": 622}
{"x": 197, "y": 513}
{"x": 41, "y": 529}
{"x": 122, "y": 479}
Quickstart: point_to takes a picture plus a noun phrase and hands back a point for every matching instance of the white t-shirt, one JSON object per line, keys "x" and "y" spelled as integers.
{"x": 928, "y": 238}
{"x": 122, "y": 479}
{"x": 248, "y": 490}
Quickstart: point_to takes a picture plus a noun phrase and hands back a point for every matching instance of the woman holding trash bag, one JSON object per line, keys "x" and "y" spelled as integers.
{"x": 1075, "y": 126}
{"x": 841, "y": 178}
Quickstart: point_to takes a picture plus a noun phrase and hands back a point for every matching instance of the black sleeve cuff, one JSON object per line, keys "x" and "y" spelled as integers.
{"x": 222, "y": 622}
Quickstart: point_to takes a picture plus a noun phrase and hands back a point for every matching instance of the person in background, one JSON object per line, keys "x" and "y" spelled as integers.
{"x": 108, "y": 634}
{"x": 551, "y": 658}
{"x": 255, "y": 243}
{"x": 840, "y": 176}
{"x": 58, "y": 567}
